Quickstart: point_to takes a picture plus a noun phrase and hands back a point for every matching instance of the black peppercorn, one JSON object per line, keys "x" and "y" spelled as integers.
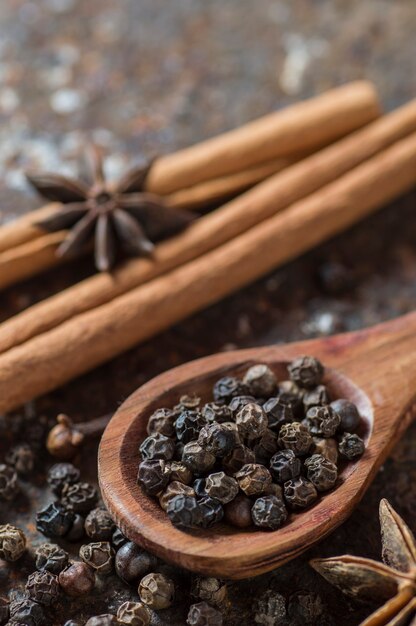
{"x": 184, "y": 512}
{"x": 322, "y": 421}
{"x": 271, "y": 609}
{"x": 296, "y": 437}
{"x": 98, "y": 555}
{"x": 221, "y": 487}
{"x": 28, "y": 612}
{"x": 321, "y": 472}
{"x": 253, "y": 479}
{"x": 78, "y": 579}
{"x": 188, "y": 425}
{"x": 269, "y": 512}
{"x": 21, "y": 457}
{"x": 227, "y": 388}
{"x": 211, "y": 510}
{"x": 289, "y": 387}
{"x": 199, "y": 487}
{"x": 4, "y": 611}
{"x": 51, "y": 558}
{"x": 134, "y": 614}
{"x": 79, "y": 497}
{"x": 9, "y": 486}
{"x": 318, "y": 396}
{"x": 188, "y": 401}
{"x": 306, "y": 371}
{"x": 76, "y": 532}
{"x": 260, "y": 381}
{"x": 99, "y": 525}
{"x": 241, "y": 455}
{"x": 197, "y": 458}
{"x": 237, "y": 403}
{"x": 238, "y": 512}
{"x": 180, "y": 472}
{"x": 251, "y": 421}
{"x": 348, "y": 412}
{"x": 217, "y": 439}
{"x": 43, "y": 587}
{"x": 299, "y": 493}
{"x": 266, "y": 447}
{"x": 12, "y": 543}
{"x": 132, "y": 562}
{"x": 157, "y": 446}
{"x": 219, "y": 413}
{"x": 174, "y": 488}
{"x": 118, "y": 539}
{"x": 351, "y": 446}
{"x": 202, "y": 614}
{"x": 102, "y": 620}
{"x": 279, "y": 411}
{"x": 54, "y": 520}
{"x": 284, "y": 466}
{"x": 162, "y": 421}
{"x": 62, "y": 474}
{"x": 305, "y": 607}
{"x": 327, "y": 447}
{"x": 156, "y": 591}
{"x": 211, "y": 590}
{"x": 72, "y": 622}
{"x": 153, "y": 476}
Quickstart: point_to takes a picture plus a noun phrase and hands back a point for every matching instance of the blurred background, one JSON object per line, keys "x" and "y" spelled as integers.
{"x": 144, "y": 77}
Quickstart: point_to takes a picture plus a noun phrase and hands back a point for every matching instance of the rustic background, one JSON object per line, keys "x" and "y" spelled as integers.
{"x": 145, "y": 77}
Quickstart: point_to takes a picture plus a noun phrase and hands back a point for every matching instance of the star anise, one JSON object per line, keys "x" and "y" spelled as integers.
{"x": 392, "y": 582}
{"x": 114, "y": 215}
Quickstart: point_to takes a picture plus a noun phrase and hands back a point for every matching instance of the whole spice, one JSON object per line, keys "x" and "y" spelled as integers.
{"x": 21, "y": 457}
{"x": 188, "y": 425}
{"x": 162, "y": 421}
{"x": 184, "y": 511}
{"x": 98, "y": 555}
{"x": 132, "y": 562}
{"x": 269, "y": 512}
{"x": 280, "y": 410}
{"x": 153, "y": 476}
{"x": 318, "y": 396}
{"x": 299, "y": 493}
{"x": 218, "y": 413}
{"x": 12, "y": 543}
{"x": 271, "y": 609}
{"x": 76, "y": 532}
{"x": 133, "y": 614}
{"x": 238, "y": 512}
{"x": 79, "y": 497}
{"x": 9, "y": 486}
{"x": 174, "y": 488}
{"x": 266, "y": 447}
{"x": 26, "y": 611}
{"x": 321, "y": 472}
{"x": 351, "y": 446}
{"x": 156, "y": 591}
{"x": 237, "y": 403}
{"x": 306, "y": 371}
{"x": 99, "y": 525}
{"x": 51, "y": 558}
{"x": 197, "y": 458}
{"x": 327, "y": 447}
{"x": 43, "y": 587}
{"x": 217, "y": 439}
{"x": 180, "y": 472}
{"x": 62, "y": 474}
{"x": 296, "y": 437}
{"x": 305, "y": 607}
{"x": 121, "y": 215}
{"x": 188, "y": 401}
{"x": 211, "y": 510}
{"x": 253, "y": 479}
{"x": 4, "y": 611}
{"x": 64, "y": 439}
{"x": 284, "y": 466}
{"x": 78, "y": 579}
{"x": 348, "y": 412}
{"x": 199, "y": 487}
{"x": 55, "y": 520}
{"x": 260, "y": 381}
{"x": 102, "y": 620}
{"x": 202, "y": 614}
{"x": 227, "y": 388}
{"x": 211, "y": 590}
{"x": 322, "y": 421}
{"x": 157, "y": 446}
{"x": 251, "y": 421}
{"x": 221, "y": 487}
{"x": 118, "y": 539}
{"x": 239, "y": 456}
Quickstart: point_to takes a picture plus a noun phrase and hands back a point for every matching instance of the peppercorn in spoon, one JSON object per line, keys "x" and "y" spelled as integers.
{"x": 373, "y": 368}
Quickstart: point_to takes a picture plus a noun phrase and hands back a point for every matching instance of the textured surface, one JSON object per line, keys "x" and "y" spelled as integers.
{"x": 145, "y": 77}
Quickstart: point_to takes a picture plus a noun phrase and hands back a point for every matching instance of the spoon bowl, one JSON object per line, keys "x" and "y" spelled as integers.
{"x": 356, "y": 367}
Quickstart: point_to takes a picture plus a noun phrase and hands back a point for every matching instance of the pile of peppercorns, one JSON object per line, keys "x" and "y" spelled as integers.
{"x": 258, "y": 449}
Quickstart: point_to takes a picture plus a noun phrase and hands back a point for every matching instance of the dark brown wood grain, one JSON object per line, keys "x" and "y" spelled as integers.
{"x": 375, "y": 368}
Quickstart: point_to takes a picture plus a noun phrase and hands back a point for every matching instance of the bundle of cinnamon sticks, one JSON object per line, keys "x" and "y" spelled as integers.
{"x": 284, "y": 215}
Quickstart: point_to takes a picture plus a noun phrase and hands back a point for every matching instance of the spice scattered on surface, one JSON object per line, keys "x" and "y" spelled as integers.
{"x": 257, "y": 448}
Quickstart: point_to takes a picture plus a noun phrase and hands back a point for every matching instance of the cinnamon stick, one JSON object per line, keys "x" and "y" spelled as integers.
{"x": 78, "y": 345}
{"x": 302, "y": 127}
{"x": 296, "y": 130}
{"x": 244, "y": 212}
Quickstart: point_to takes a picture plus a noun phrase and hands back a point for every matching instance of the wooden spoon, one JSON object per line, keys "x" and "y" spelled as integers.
{"x": 375, "y": 368}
